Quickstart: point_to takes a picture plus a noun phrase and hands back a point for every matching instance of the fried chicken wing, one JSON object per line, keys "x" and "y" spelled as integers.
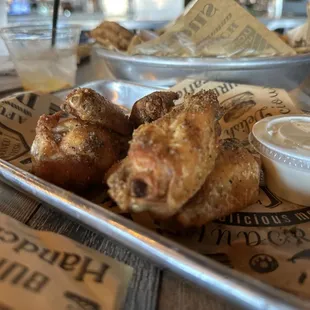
{"x": 112, "y": 35}
{"x": 169, "y": 159}
{"x": 152, "y": 107}
{"x": 231, "y": 186}
{"x": 74, "y": 154}
{"x": 88, "y": 105}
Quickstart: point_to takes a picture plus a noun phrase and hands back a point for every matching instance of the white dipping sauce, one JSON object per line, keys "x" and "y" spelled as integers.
{"x": 284, "y": 143}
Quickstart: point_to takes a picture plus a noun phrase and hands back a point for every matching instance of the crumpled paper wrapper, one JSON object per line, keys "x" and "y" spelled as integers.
{"x": 215, "y": 28}
{"x": 269, "y": 240}
{"x": 42, "y": 270}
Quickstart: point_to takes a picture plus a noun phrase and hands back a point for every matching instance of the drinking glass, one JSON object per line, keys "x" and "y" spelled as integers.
{"x": 41, "y": 66}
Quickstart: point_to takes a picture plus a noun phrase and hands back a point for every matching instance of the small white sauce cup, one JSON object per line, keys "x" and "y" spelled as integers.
{"x": 284, "y": 145}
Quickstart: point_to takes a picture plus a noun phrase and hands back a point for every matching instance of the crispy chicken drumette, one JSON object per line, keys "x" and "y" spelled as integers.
{"x": 90, "y": 106}
{"x": 74, "y": 154}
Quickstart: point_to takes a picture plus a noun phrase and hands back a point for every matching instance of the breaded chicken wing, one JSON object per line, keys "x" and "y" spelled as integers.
{"x": 152, "y": 107}
{"x": 169, "y": 159}
{"x": 231, "y": 186}
{"x": 88, "y": 105}
{"x": 112, "y": 35}
{"x": 74, "y": 154}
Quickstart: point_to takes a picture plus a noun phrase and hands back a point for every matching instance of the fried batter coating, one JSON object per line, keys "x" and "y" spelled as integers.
{"x": 169, "y": 159}
{"x": 112, "y": 35}
{"x": 74, "y": 154}
{"x": 152, "y": 107}
{"x": 231, "y": 186}
{"x": 88, "y": 105}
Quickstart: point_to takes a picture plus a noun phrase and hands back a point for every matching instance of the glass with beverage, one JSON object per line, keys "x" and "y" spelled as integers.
{"x": 41, "y": 66}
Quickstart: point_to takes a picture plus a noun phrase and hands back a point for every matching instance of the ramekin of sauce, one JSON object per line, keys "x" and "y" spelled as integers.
{"x": 284, "y": 145}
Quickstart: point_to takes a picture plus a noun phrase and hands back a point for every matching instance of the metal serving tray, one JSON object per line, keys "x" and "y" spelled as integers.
{"x": 217, "y": 278}
{"x": 119, "y": 92}
{"x": 279, "y": 72}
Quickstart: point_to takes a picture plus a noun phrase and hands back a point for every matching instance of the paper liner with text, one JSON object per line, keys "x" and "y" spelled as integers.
{"x": 269, "y": 240}
{"x": 42, "y": 270}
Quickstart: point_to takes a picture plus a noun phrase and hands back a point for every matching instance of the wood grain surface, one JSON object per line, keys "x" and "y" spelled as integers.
{"x": 177, "y": 293}
{"x": 16, "y": 204}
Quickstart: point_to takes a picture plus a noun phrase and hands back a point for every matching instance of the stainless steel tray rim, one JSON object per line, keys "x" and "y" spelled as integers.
{"x": 211, "y": 62}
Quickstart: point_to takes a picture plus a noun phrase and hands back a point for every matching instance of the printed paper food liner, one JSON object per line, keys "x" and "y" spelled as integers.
{"x": 42, "y": 270}
{"x": 269, "y": 240}
{"x": 215, "y": 28}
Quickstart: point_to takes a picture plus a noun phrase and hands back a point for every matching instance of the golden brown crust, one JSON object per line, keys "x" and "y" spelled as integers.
{"x": 88, "y": 105}
{"x": 231, "y": 186}
{"x": 112, "y": 35}
{"x": 169, "y": 159}
{"x": 74, "y": 154}
{"x": 152, "y": 107}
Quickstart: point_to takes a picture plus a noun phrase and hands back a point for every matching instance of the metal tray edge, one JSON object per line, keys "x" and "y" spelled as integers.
{"x": 210, "y": 62}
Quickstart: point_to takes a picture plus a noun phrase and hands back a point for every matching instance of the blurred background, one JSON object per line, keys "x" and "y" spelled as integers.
{"x": 277, "y": 15}
{"x": 89, "y": 12}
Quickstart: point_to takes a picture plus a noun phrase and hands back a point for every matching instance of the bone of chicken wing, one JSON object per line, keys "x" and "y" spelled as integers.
{"x": 231, "y": 186}
{"x": 152, "y": 107}
{"x": 169, "y": 159}
{"x": 74, "y": 154}
{"x": 111, "y": 34}
{"x": 88, "y": 105}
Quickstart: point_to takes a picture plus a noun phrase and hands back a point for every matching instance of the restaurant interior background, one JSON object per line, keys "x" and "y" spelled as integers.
{"x": 75, "y": 10}
{"x": 277, "y": 15}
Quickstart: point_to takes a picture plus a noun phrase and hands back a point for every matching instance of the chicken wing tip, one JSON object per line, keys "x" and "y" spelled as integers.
{"x": 48, "y": 121}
